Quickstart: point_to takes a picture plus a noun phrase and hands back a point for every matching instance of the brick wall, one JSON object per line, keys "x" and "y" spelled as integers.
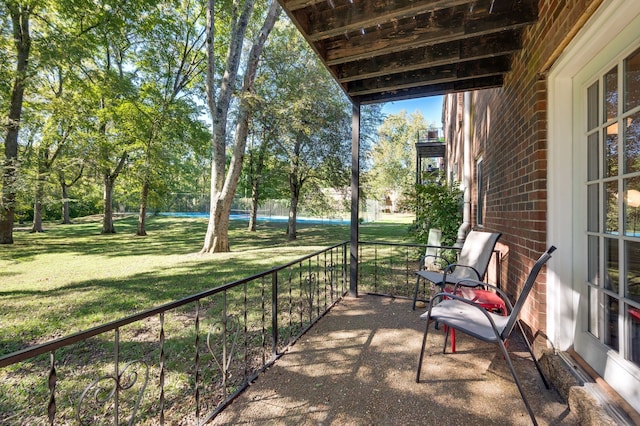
{"x": 510, "y": 134}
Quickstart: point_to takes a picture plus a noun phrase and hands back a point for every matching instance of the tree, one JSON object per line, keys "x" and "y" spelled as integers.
{"x": 262, "y": 174}
{"x": 20, "y": 13}
{"x": 169, "y": 61}
{"x": 313, "y": 121}
{"x": 393, "y": 157}
{"x": 219, "y": 96}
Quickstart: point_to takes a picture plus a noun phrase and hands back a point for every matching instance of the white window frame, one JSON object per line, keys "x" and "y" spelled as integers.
{"x": 613, "y": 29}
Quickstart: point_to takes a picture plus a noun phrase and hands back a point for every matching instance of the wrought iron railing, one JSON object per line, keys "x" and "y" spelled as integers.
{"x": 184, "y": 361}
{"x": 388, "y": 269}
{"x": 178, "y": 363}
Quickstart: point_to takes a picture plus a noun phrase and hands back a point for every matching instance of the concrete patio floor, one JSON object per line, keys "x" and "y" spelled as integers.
{"x": 357, "y": 366}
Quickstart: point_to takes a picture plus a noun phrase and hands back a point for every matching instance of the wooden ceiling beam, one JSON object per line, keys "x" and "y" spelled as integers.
{"x": 393, "y": 40}
{"x": 431, "y": 76}
{"x": 431, "y": 90}
{"x": 500, "y": 44}
{"x": 352, "y": 17}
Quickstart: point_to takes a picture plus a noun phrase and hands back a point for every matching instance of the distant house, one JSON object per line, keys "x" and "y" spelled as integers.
{"x": 555, "y": 159}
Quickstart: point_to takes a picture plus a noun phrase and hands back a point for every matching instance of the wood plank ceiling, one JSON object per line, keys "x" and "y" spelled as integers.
{"x": 386, "y": 50}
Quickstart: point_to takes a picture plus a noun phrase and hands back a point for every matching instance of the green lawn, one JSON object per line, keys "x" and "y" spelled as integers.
{"x": 71, "y": 277}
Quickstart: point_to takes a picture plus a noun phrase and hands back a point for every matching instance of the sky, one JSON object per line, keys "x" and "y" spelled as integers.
{"x": 431, "y": 108}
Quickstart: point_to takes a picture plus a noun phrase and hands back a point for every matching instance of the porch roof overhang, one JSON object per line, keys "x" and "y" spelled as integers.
{"x": 389, "y": 50}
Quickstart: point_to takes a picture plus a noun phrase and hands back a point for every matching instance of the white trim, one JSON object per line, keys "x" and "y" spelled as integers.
{"x": 608, "y": 33}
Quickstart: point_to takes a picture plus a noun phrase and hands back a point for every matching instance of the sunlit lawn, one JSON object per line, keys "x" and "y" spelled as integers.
{"x": 71, "y": 277}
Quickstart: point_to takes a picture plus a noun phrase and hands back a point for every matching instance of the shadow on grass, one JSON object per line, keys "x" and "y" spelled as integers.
{"x": 76, "y": 303}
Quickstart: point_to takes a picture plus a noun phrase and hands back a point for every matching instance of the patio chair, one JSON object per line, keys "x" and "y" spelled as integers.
{"x": 472, "y": 262}
{"x": 464, "y": 315}
{"x": 432, "y": 259}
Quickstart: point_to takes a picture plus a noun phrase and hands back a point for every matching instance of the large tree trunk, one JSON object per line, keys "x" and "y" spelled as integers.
{"x": 223, "y": 185}
{"x": 20, "y": 24}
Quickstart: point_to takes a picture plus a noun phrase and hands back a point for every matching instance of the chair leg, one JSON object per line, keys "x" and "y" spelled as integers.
{"x": 446, "y": 337}
{"x": 415, "y": 294}
{"x": 424, "y": 344}
{"x": 515, "y": 377}
{"x": 448, "y": 330}
{"x": 535, "y": 361}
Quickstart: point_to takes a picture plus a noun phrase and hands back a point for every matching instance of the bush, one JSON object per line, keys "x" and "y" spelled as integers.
{"x": 437, "y": 205}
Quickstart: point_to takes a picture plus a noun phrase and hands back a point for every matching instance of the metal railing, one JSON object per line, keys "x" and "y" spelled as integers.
{"x": 186, "y": 360}
{"x": 389, "y": 268}
{"x": 181, "y": 362}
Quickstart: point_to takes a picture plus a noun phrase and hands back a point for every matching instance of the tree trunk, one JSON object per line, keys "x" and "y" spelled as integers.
{"x": 256, "y": 179}
{"x": 37, "y": 204}
{"x": 107, "y": 206}
{"x": 65, "y": 203}
{"x": 20, "y": 24}
{"x": 223, "y": 185}
{"x": 109, "y": 182}
{"x": 142, "y": 215}
{"x": 64, "y": 187}
{"x": 253, "y": 215}
{"x": 292, "y": 231}
{"x": 217, "y": 238}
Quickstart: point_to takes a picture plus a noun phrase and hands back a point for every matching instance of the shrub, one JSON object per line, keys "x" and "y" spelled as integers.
{"x": 437, "y": 205}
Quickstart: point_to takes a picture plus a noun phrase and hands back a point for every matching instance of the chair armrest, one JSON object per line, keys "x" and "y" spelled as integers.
{"x": 468, "y": 282}
{"x": 454, "y": 266}
{"x": 434, "y": 256}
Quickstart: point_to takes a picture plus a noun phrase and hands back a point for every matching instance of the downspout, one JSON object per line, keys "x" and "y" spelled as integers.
{"x": 466, "y": 171}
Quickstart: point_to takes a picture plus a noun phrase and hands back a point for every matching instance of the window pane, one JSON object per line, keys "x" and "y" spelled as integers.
{"x": 594, "y": 261}
{"x": 592, "y": 106}
{"x": 611, "y": 325}
{"x": 593, "y": 311}
{"x": 593, "y": 202}
{"x": 634, "y": 320}
{"x": 632, "y": 81}
{"x": 633, "y": 270}
{"x": 611, "y": 94}
{"x": 613, "y": 267}
{"x": 611, "y": 208}
{"x": 632, "y": 143}
{"x": 593, "y": 157}
{"x": 611, "y": 150}
{"x": 631, "y": 207}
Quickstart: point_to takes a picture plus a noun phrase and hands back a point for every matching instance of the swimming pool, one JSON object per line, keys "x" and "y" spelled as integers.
{"x": 277, "y": 219}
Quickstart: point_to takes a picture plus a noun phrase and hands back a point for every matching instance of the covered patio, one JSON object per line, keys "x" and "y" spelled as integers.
{"x": 357, "y": 366}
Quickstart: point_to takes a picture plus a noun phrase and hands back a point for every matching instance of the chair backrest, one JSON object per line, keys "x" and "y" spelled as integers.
{"x": 528, "y": 285}
{"x": 476, "y": 252}
{"x": 434, "y": 241}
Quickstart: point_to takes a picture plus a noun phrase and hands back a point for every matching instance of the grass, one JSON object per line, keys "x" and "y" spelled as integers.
{"x": 71, "y": 277}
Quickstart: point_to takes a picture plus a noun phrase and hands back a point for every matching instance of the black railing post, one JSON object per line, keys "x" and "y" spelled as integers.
{"x": 355, "y": 199}
{"x": 274, "y": 311}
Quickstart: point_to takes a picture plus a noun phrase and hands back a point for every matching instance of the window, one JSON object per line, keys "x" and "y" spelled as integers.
{"x": 612, "y": 141}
